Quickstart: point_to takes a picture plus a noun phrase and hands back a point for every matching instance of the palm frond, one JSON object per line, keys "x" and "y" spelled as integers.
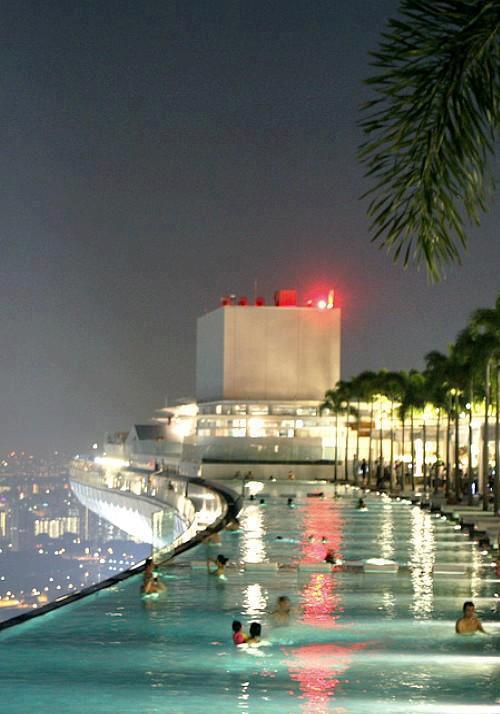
{"x": 430, "y": 129}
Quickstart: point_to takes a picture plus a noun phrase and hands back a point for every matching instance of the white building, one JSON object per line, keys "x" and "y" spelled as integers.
{"x": 261, "y": 374}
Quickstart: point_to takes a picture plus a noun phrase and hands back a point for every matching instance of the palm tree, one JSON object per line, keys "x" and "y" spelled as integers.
{"x": 366, "y": 387}
{"x": 346, "y": 392}
{"x": 357, "y": 395}
{"x": 436, "y": 374}
{"x": 332, "y": 403}
{"x": 393, "y": 386}
{"x": 485, "y": 326}
{"x": 430, "y": 128}
{"x": 403, "y": 413}
{"x": 413, "y": 400}
{"x": 464, "y": 355}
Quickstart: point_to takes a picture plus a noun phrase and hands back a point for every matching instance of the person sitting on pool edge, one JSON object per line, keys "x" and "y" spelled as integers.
{"x": 239, "y": 637}
{"x": 469, "y": 622}
{"x": 220, "y": 564}
{"x": 255, "y": 632}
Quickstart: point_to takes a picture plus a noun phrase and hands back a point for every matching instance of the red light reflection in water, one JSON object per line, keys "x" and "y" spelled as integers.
{"x": 321, "y": 603}
{"x": 317, "y": 667}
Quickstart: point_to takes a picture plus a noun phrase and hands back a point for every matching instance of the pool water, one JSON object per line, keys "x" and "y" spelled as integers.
{"x": 358, "y": 642}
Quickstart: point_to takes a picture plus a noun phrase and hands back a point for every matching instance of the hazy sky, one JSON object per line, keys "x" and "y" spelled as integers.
{"x": 156, "y": 155}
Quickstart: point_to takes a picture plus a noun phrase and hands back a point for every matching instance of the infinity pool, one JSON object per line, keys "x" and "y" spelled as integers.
{"x": 359, "y": 643}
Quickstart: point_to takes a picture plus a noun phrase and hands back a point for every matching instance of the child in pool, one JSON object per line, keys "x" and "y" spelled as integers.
{"x": 239, "y": 637}
{"x": 255, "y": 633}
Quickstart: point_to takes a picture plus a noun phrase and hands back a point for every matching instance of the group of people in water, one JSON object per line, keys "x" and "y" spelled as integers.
{"x": 151, "y": 587}
{"x": 279, "y": 616}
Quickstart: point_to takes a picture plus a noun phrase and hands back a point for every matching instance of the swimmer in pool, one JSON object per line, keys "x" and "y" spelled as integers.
{"x": 239, "y": 637}
{"x": 290, "y": 503}
{"x": 281, "y": 614}
{"x": 469, "y": 622}
{"x": 153, "y": 587}
{"x": 255, "y": 632}
{"x": 233, "y": 525}
{"x": 361, "y": 505}
{"x": 148, "y": 574}
{"x": 220, "y": 564}
{"x": 212, "y": 538}
{"x": 330, "y": 556}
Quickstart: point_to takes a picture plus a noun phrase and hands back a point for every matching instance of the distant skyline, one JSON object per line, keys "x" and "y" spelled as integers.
{"x": 157, "y": 156}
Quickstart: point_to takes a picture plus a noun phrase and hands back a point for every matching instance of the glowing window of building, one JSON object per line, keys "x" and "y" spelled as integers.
{"x": 283, "y": 409}
{"x": 307, "y": 411}
{"x": 218, "y": 409}
{"x": 258, "y": 409}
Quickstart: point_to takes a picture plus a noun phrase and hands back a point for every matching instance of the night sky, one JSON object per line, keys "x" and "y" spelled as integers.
{"x": 155, "y": 157}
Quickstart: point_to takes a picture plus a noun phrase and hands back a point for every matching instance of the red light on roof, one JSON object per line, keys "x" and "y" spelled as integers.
{"x": 285, "y": 298}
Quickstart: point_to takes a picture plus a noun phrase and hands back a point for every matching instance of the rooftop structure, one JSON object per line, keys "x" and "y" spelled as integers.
{"x": 256, "y": 352}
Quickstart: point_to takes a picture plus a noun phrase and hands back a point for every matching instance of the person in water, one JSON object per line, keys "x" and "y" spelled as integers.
{"x": 255, "y": 632}
{"x": 290, "y": 503}
{"x": 220, "y": 565}
{"x": 282, "y": 611}
{"x": 239, "y": 637}
{"x": 361, "y": 505}
{"x": 330, "y": 556}
{"x": 154, "y": 586}
{"x": 212, "y": 538}
{"x": 233, "y": 525}
{"x": 148, "y": 575}
{"x": 469, "y": 622}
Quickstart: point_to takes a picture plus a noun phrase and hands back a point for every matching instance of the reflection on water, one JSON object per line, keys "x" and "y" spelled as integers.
{"x": 422, "y": 557}
{"x": 252, "y": 527}
{"x": 317, "y": 667}
{"x": 254, "y": 600}
{"x": 385, "y": 538}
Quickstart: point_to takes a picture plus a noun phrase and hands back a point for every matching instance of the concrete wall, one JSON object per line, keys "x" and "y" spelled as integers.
{"x": 267, "y": 353}
{"x": 210, "y": 356}
{"x": 302, "y": 472}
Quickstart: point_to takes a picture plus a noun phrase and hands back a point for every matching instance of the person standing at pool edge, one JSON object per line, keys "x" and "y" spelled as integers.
{"x": 469, "y": 622}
